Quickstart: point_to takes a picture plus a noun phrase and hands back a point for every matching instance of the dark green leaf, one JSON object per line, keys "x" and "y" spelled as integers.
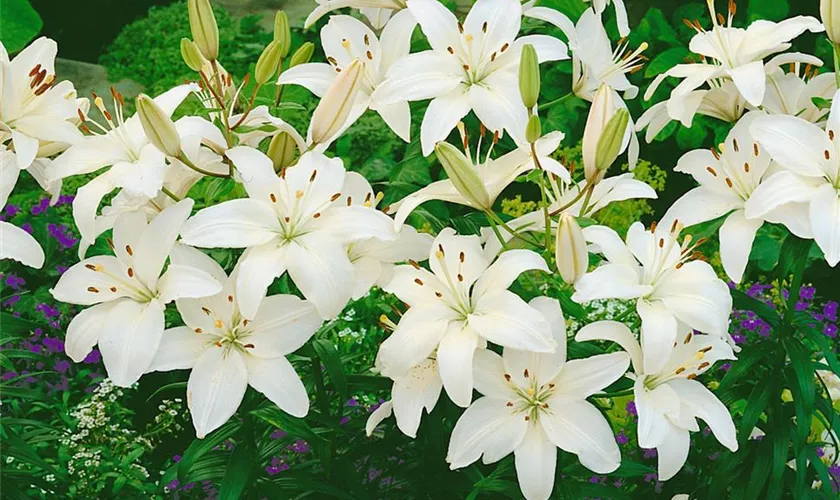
{"x": 237, "y": 472}
{"x": 331, "y": 360}
{"x": 21, "y": 23}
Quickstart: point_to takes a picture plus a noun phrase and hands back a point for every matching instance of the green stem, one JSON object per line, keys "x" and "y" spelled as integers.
{"x": 795, "y": 284}
{"x": 200, "y": 170}
{"x": 250, "y": 107}
{"x": 511, "y": 230}
{"x": 546, "y": 215}
{"x": 586, "y": 201}
{"x": 556, "y": 101}
{"x": 492, "y": 220}
{"x": 836, "y": 63}
{"x": 170, "y": 194}
{"x": 574, "y": 200}
{"x": 618, "y": 394}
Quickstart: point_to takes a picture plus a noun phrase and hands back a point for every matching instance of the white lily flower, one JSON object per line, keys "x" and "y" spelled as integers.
{"x": 411, "y": 393}
{"x": 605, "y": 104}
{"x": 535, "y": 403}
{"x": 227, "y": 352}
{"x": 471, "y": 66}
{"x": 262, "y": 124}
{"x": 620, "y": 13}
{"x": 736, "y": 54}
{"x": 811, "y": 159}
{"x": 377, "y": 11}
{"x": 346, "y": 39}
{"x": 15, "y": 243}
{"x": 786, "y": 93}
{"x": 831, "y": 381}
{"x": 495, "y": 173}
{"x": 617, "y": 188}
{"x": 668, "y": 399}
{"x": 36, "y": 113}
{"x": 727, "y": 182}
{"x": 372, "y": 258}
{"x": 129, "y": 294}
{"x": 135, "y": 164}
{"x": 594, "y": 62}
{"x": 293, "y": 223}
{"x": 671, "y": 289}
{"x": 457, "y": 307}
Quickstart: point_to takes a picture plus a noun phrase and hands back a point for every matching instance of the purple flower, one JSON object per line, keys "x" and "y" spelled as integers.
{"x": 649, "y": 452}
{"x": 278, "y": 434}
{"x": 830, "y": 311}
{"x": 830, "y": 329}
{"x": 27, "y": 227}
{"x": 62, "y": 366}
{"x": 53, "y": 345}
{"x": 14, "y": 282}
{"x": 40, "y": 207}
{"x": 93, "y": 357}
{"x": 621, "y": 438}
{"x": 352, "y": 402}
{"x": 12, "y": 210}
{"x": 631, "y": 408}
{"x": 299, "y": 446}
{"x": 14, "y": 299}
{"x": 807, "y": 293}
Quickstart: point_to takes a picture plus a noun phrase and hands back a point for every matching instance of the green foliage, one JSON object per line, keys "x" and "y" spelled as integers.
{"x": 20, "y": 24}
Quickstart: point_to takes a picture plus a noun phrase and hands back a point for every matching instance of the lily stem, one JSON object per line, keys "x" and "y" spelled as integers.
{"x": 556, "y": 101}
{"x": 183, "y": 158}
{"x": 169, "y": 193}
{"x": 574, "y": 200}
{"x": 249, "y": 108}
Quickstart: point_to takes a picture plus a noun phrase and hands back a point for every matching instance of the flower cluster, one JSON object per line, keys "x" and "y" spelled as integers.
{"x": 480, "y": 313}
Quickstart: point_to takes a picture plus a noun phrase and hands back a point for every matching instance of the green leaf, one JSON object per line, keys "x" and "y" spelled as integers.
{"x": 666, "y": 60}
{"x": 14, "y": 326}
{"x": 794, "y": 254}
{"x": 201, "y": 446}
{"x": 741, "y": 300}
{"x": 774, "y": 10}
{"x": 292, "y": 425}
{"x": 800, "y": 379}
{"x": 756, "y": 404}
{"x": 331, "y": 359}
{"x": 21, "y": 23}
{"x": 238, "y": 471}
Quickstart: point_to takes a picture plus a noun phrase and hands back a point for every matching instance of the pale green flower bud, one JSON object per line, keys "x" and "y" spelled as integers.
{"x": 529, "y": 76}
{"x": 158, "y": 126}
{"x": 281, "y": 150}
{"x": 463, "y": 175}
{"x": 302, "y": 55}
{"x": 203, "y": 27}
{"x": 336, "y": 104}
{"x": 267, "y": 63}
{"x": 534, "y": 129}
{"x": 282, "y": 33}
{"x": 609, "y": 144}
{"x": 191, "y": 55}
{"x": 570, "y": 249}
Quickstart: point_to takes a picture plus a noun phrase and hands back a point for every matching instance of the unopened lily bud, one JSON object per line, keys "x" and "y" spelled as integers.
{"x": 604, "y": 107}
{"x": 830, "y": 14}
{"x": 302, "y": 55}
{"x": 282, "y": 150}
{"x": 534, "y": 129}
{"x": 203, "y": 27}
{"x": 282, "y": 32}
{"x": 267, "y": 63}
{"x": 191, "y": 54}
{"x": 463, "y": 175}
{"x": 158, "y": 126}
{"x": 609, "y": 145}
{"x": 570, "y": 249}
{"x": 336, "y": 104}
{"x": 529, "y": 76}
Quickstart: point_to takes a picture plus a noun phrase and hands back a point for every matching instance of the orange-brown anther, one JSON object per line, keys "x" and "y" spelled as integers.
{"x": 712, "y": 171}
{"x": 92, "y": 289}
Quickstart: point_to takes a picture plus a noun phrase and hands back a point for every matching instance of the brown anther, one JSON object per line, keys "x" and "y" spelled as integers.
{"x": 729, "y": 182}
{"x": 460, "y": 27}
{"x": 206, "y": 311}
{"x": 495, "y": 136}
{"x": 504, "y": 47}
{"x": 316, "y": 215}
{"x": 461, "y": 256}
{"x": 414, "y": 264}
{"x": 245, "y": 322}
{"x": 705, "y": 349}
{"x": 91, "y": 267}
{"x": 755, "y": 148}
{"x": 653, "y": 226}
{"x": 733, "y": 8}
{"x": 831, "y": 135}
{"x": 509, "y": 404}
{"x": 81, "y": 115}
{"x": 43, "y": 88}
{"x": 661, "y": 242}
{"x": 460, "y": 277}
{"x": 484, "y": 27}
{"x": 493, "y": 57}
{"x": 544, "y": 405}
{"x": 287, "y": 219}
{"x": 273, "y": 197}
{"x": 107, "y": 115}
{"x": 335, "y": 196}
{"x": 679, "y": 265}
{"x": 367, "y": 39}
{"x": 720, "y": 18}
{"x": 113, "y": 289}
{"x": 130, "y": 272}
{"x": 218, "y": 343}
{"x": 35, "y": 70}
{"x": 198, "y": 330}
{"x": 38, "y": 78}
{"x": 418, "y": 281}
{"x": 691, "y": 376}
{"x": 248, "y": 346}
{"x": 735, "y": 145}
{"x": 128, "y": 250}
{"x": 702, "y": 365}
{"x": 450, "y": 50}
{"x": 93, "y": 289}
{"x": 438, "y": 294}
{"x": 369, "y": 55}
{"x": 827, "y": 155}
{"x": 85, "y": 129}
{"x": 525, "y": 373}
{"x": 746, "y": 167}
{"x": 687, "y": 338}
{"x": 507, "y": 377}
{"x": 466, "y": 67}
{"x": 230, "y": 79}
{"x": 551, "y": 386}
{"x": 688, "y": 23}
{"x": 715, "y": 153}
{"x": 674, "y": 225}
{"x": 230, "y": 298}
{"x": 679, "y": 370}
{"x": 440, "y": 249}
{"x": 332, "y": 60}
{"x": 527, "y": 418}
{"x": 349, "y": 200}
